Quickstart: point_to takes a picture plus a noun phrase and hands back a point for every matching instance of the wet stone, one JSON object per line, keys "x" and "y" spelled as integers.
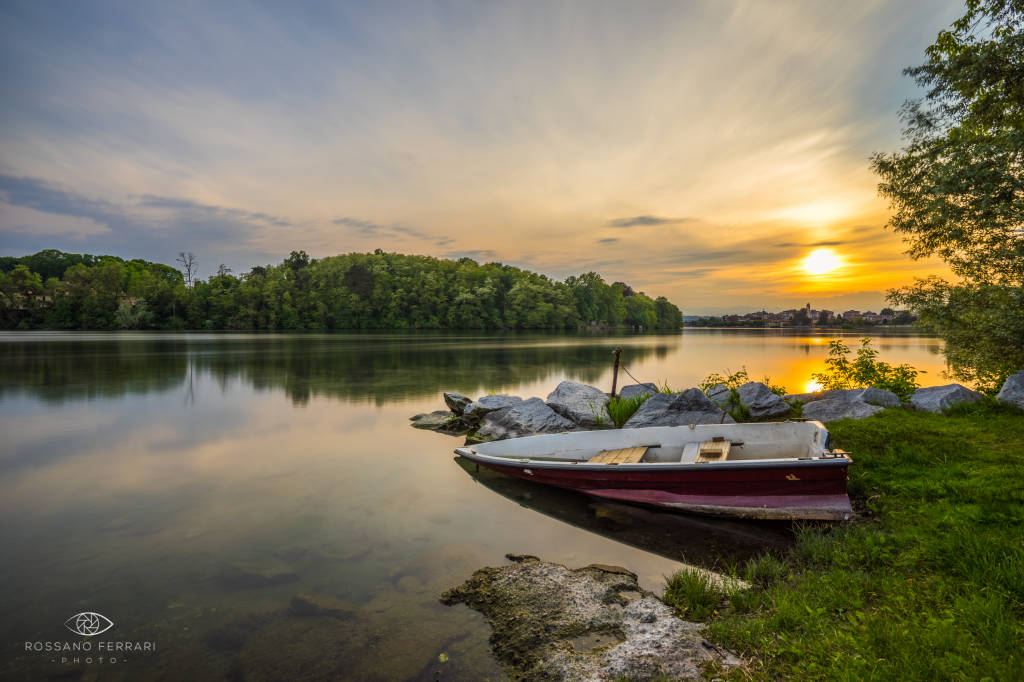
{"x": 555, "y": 623}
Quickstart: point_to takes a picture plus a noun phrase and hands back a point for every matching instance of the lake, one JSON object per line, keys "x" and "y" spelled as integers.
{"x": 257, "y": 507}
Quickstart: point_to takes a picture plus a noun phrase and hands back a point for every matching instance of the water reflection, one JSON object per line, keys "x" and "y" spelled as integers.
{"x": 378, "y": 368}
{"x": 701, "y": 541}
{"x": 191, "y": 487}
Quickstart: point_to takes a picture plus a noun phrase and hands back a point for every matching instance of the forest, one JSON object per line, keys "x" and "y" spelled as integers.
{"x": 56, "y": 290}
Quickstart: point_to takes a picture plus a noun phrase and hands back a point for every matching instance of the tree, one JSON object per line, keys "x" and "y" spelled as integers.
{"x": 957, "y": 190}
{"x": 189, "y": 264}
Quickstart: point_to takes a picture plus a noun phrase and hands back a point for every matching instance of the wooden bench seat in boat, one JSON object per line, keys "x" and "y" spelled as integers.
{"x": 716, "y": 450}
{"x": 620, "y": 456}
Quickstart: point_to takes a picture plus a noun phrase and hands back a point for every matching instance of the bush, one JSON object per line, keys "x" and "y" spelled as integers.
{"x": 864, "y": 371}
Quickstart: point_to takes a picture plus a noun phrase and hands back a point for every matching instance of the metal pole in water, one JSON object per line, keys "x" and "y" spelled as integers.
{"x": 615, "y": 371}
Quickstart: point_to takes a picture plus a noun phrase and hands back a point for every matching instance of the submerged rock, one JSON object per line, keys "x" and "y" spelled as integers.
{"x": 476, "y": 410}
{"x": 1012, "y": 392}
{"x": 939, "y": 398}
{"x": 456, "y": 402}
{"x": 523, "y": 418}
{"x": 440, "y": 420}
{"x": 579, "y": 403}
{"x": 678, "y": 409}
{"x": 592, "y": 623}
{"x": 833, "y": 409}
{"x": 309, "y": 603}
{"x": 761, "y": 402}
{"x": 638, "y": 389}
{"x": 245, "y": 576}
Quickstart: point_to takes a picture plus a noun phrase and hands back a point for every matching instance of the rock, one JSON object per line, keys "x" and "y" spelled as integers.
{"x": 309, "y": 603}
{"x": 832, "y": 409}
{"x": 637, "y": 389}
{"x": 579, "y": 403}
{"x": 939, "y": 398}
{"x": 803, "y": 397}
{"x": 677, "y": 409}
{"x": 761, "y": 402}
{"x": 456, "y": 402}
{"x": 721, "y": 395}
{"x": 475, "y": 411}
{"x": 593, "y": 623}
{"x": 872, "y": 396}
{"x": 524, "y": 418}
{"x": 1012, "y": 392}
{"x": 251, "y": 576}
{"x": 441, "y": 420}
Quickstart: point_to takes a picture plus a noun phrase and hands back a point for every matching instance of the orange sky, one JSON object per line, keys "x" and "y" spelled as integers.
{"x": 698, "y": 151}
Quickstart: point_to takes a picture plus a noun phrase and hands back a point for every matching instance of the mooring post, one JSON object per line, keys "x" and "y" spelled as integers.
{"x": 615, "y": 370}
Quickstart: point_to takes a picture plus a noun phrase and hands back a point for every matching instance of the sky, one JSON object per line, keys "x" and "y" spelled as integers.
{"x": 714, "y": 152}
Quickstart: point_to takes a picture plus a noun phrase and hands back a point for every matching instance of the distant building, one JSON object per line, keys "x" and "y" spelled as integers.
{"x": 851, "y": 315}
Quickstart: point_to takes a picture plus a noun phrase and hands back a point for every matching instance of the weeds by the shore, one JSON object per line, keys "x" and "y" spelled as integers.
{"x": 927, "y": 584}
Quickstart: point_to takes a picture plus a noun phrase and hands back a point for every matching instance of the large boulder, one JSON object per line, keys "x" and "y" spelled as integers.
{"x": 475, "y": 411}
{"x": 677, "y": 409}
{"x": 872, "y": 396}
{"x": 592, "y": 623}
{"x": 1012, "y": 392}
{"x": 939, "y": 398}
{"x": 456, "y": 402}
{"x": 833, "y": 409}
{"x": 523, "y": 418}
{"x": 721, "y": 395}
{"x": 582, "y": 404}
{"x": 761, "y": 402}
{"x": 638, "y": 389}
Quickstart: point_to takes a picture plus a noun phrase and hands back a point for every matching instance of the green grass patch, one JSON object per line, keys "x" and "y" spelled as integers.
{"x": 928, "y": 584}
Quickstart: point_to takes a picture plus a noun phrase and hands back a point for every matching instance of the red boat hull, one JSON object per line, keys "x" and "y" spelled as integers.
{"x": 783, "y": 492}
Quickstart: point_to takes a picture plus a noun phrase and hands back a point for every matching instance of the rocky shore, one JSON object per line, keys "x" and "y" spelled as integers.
{"x": 593, "y": 623}
{"x": 573, "y": 406}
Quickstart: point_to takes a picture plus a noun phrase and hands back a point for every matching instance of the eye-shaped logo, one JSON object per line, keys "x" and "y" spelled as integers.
{"x": 88, "y": 623}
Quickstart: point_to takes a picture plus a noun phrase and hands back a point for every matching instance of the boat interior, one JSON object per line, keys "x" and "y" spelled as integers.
{"x": 698, "y": 444}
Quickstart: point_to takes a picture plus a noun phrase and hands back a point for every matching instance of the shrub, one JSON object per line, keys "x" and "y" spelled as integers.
{"x": 864, "y": 371}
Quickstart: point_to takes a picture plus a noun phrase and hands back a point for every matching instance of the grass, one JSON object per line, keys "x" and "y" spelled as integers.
{"x": 927, "y": 585}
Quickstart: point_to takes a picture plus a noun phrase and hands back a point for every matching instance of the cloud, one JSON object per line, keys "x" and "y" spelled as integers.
{"x": 370, "y": 228}
{"x": 151, "y": 227}
{"x": 608, "y": 240}
{"x": 786, "y": 245}
{"x": 646, "y": 220}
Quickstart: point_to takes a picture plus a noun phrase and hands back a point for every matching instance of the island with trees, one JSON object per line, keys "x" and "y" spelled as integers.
{"x": 56, "y": 290}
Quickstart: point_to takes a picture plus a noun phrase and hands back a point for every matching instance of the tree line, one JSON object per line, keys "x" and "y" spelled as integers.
{"x": 56, "y": 290}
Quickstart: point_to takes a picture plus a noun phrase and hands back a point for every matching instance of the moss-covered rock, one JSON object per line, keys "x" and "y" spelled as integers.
{"x": 592, "y": 623}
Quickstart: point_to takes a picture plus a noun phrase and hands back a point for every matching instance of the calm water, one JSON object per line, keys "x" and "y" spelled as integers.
{"x": 188, "y": 487}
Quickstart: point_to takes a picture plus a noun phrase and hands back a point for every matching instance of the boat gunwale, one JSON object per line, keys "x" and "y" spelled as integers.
{"x": 584, "y": 465}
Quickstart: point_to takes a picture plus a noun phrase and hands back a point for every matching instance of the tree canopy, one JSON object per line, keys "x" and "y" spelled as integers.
{"x": 352, "y": 291}
{"x": 957, "y": 189}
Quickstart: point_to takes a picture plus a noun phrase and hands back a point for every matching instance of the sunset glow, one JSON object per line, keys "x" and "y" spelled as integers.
{"x": 821, "y": 262}
{"x": 713, "y": 153}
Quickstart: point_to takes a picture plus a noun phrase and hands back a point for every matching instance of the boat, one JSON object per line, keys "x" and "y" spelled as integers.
{"x": 771, "y": 470}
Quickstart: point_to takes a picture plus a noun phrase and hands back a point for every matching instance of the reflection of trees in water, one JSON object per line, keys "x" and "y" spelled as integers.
{"x": 349, "y": 367}
{"x": 85, "y": 370}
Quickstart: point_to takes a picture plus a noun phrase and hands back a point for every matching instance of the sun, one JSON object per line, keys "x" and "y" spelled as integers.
{"x": 821, "y": 262}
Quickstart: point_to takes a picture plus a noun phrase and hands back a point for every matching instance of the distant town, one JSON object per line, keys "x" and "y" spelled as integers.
{"x": 804, "y": 317}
